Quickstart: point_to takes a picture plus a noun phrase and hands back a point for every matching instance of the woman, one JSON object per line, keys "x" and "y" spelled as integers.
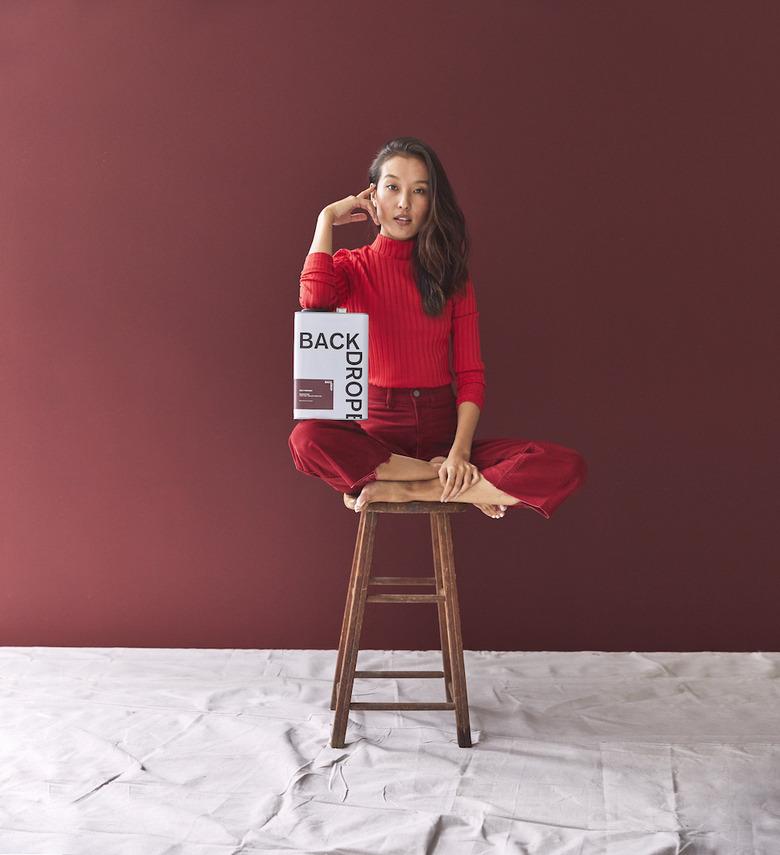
{"x": 413, "y": 281}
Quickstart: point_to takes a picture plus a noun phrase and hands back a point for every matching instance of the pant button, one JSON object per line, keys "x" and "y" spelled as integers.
{"x": 416, "y": 393}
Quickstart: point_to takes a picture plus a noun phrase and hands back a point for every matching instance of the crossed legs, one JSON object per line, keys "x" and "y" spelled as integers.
{"x": 406, "y": 479}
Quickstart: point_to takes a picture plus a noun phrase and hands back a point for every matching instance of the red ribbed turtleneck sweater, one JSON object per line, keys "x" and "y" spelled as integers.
{"x": 406, "y": 347}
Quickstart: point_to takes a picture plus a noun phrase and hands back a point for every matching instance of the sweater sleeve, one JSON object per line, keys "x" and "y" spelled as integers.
{"x": 466, "y": 355}
{"x": 325, "y": 280}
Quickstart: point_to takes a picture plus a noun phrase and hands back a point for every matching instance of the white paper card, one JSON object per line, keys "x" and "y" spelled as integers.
{"x": 330, "y": 365}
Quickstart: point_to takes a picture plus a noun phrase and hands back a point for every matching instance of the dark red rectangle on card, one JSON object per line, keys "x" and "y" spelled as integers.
{"x": 314, "y": 394}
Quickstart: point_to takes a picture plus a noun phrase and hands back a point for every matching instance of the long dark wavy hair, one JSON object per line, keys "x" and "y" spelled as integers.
{"x": 441, "y": 251}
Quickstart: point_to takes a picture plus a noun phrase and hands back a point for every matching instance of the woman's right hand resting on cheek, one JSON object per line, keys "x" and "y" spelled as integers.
{"x": 340, "y": 212}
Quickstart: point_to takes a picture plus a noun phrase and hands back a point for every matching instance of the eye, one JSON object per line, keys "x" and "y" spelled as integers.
{"x": 421, "y": 189}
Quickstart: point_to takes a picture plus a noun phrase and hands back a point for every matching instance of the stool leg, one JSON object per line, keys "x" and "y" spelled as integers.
{"x": 445, "y": 644}
{"x": 346, "y": 618}
{"x": 365, "y": 549}
{"x": 453, "y": 630}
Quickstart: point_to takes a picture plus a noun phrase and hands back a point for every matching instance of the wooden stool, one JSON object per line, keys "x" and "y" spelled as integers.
{"x": 446, "y": 599}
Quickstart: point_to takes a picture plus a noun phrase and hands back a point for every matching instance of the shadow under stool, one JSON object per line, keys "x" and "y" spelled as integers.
{"x": 446, "y": 599}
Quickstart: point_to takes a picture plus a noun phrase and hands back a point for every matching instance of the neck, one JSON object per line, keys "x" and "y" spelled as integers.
{"x": 393, "y": 247}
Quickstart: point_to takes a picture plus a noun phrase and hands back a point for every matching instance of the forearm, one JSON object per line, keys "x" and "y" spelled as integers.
{"x": 323, "y": 234}
{"x": 325, "y": 277}
{"x": 468, "y": 416}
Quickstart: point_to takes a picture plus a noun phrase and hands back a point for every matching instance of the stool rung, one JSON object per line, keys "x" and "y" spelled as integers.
{"x": 405, "y": 598}
{"x": 402, "y": 580}
{"x": 444, "y": 705}
{"x": 377, "y": 674}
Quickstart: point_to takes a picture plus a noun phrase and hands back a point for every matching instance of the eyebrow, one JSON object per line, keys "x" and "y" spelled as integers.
{"x": 390, "y": 175}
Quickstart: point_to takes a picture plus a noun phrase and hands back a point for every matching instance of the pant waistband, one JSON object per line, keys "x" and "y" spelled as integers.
{"x": 391, "y": 393}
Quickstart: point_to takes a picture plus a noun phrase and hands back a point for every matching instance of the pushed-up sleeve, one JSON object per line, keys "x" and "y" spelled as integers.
{"x": 325, "y": 280}
{"x": 467, "y": 361}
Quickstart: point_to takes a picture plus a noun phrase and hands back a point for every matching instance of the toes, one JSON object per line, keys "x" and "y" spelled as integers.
{"x": 494, "y": 511}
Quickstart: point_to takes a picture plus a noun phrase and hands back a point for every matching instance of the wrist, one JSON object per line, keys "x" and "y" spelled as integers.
{"x": 463, "y": 450}
{"x": 327, "y": 216}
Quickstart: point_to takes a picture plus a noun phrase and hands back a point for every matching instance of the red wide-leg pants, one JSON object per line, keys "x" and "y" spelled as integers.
{"x": 422, "y": 423}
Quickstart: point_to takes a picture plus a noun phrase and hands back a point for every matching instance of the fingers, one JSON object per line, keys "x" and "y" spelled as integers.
{"x": 371, "y": 211}
{"x": 444, "y": 478}
{"x": 369, "y": 205}
{"x": 364, "y": 202}
{"x": 358, "y": 215}
{"x": 448, "y": 486}
{"x": 457, "y": 483}
{"x": 453, "y": 486}
{"x": 466, "y": 482}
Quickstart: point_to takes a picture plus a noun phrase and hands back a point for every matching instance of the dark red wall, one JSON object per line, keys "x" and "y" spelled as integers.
{"x": 162, "y": 168}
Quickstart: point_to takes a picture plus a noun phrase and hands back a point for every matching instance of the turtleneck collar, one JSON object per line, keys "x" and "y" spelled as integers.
{"x": 392, "y": 247}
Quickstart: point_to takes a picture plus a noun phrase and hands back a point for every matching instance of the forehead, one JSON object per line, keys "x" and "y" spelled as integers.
{"x": 411, "y": 169}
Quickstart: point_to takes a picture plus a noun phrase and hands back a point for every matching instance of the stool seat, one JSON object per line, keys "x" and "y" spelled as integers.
{"x": 445, "y": 597}
{"x": 415, "y": 507}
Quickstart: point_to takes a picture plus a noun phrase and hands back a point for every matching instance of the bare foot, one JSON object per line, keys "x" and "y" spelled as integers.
{"x": 382, "y": 491}
{"x": 495, "y": 511}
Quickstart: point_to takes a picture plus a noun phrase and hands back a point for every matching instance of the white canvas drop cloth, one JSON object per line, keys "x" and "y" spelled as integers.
{"x": 220, "y": 752}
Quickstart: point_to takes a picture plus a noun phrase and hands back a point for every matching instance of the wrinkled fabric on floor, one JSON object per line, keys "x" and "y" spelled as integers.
{"x": 221, "y": 752}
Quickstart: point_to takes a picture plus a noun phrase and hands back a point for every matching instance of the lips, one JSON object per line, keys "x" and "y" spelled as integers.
{"x": 403, "y": 219}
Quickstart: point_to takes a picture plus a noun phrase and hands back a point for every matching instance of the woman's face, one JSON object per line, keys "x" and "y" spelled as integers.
{"x": 403, "y": 190}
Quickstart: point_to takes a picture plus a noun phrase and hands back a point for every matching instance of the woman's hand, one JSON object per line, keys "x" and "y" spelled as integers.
{"x": 457, "y": 474}
{"x": 341, "y": 211}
